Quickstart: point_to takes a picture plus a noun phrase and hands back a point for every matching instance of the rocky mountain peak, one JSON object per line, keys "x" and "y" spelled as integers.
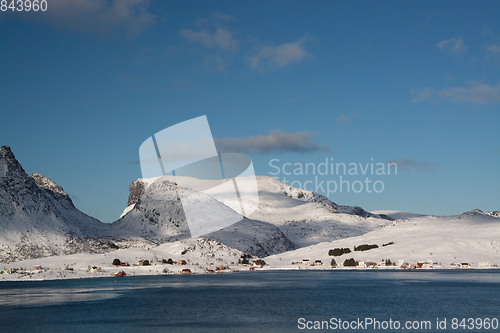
{"x": 9, "y": 166}
{"x": 47, "y": 184}
{"x": 135, "y": 190}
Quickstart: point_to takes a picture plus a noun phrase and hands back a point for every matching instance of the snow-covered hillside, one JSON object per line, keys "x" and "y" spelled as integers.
{"x": 305, "y": 217}
{"x": 37, "y": 218}
{"x": 297, "y": 217}
{"x": 472, "y": 237}
{"x": 200, "y": 255}
{"x": 395, "y": 214}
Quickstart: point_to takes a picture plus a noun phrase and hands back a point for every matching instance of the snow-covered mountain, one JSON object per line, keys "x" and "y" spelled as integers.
{"x": 285, "y": 218}
{"x": 37, "y": 218}
{"x": 155, "y": 212}
{"x": 305, "y": 217}
{"x": 472, "y": 237}
{"x": 395, "y": 214}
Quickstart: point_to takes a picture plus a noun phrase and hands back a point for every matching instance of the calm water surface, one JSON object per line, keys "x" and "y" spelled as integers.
{"x": 250, "y": 301}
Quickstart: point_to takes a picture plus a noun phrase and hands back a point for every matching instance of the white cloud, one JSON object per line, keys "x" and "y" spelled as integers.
{"x": 218, "y": 16}
{"x": 346, "y": 119}
{"x": 493, "y": 49}
{"x": 408, "y": 164}
{"x": 422, "y": 94}
{"x": 453, "y": 46}
{"x": 220, "y": 39}
{"x": 475, "y": 93}
{"x": 275, "y": 142}
{"x": 281, "y": 55}
{"x": 103, "y": 17}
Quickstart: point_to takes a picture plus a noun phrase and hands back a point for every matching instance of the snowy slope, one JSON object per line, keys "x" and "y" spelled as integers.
{"x": 306, "y": 217}
{"x": 396, "y": 214}
{"x": 299, "y": 217}
{"x": 471, "y": 237}
{"x": 156, "y": 213}
{"x": 200, "y": 255}
{"x": 254, "y": 237}
{"x": 37, "y": 218}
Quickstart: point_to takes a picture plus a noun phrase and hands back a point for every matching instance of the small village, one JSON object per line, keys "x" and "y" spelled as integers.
{"x": 118, "y": 268}
{"x": 351, "y": 263}
{"x": 387, "y": 263}
{"x": 169, "y": 266}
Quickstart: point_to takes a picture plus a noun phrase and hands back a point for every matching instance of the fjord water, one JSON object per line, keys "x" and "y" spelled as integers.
{"x": 271, "y": 301}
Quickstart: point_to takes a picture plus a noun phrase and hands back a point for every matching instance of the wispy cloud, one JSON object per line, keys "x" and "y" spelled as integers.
{"x": 216, "y": 42}
{"x": 276, "y": 141}
{"x": 220, "y": 39}
{"x": 454, "y": 46}
{"x": 345, "y": 119}
{"x": 281, "y": 55}
{"x": 218, "y": 16}
{"x": 408, "y": 164}
{"x": 422, "y": 94}
{"x": 181, "y": 84}
{"x": 103, "y": 17}
{"x": 474, "y": 93}
{"x": 493, "y": 49}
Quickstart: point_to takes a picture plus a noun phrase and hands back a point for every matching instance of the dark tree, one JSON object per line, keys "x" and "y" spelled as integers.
{"x": 261, "y": 262}
{"x": 350, "y": 262}
{"x": 365, "y": 247}
{"x": 333, "y": 262}
{"x": 117, "y": 262}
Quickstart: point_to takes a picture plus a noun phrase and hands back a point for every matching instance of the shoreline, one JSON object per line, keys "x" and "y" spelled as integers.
{"x": 78, "y": 275}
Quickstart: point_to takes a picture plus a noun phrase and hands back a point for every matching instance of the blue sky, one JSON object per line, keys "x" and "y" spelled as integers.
{"x": 83, "y": 84}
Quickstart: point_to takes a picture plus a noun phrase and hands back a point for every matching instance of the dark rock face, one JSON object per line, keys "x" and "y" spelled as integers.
{"x": 17, "y": 189}
{"x": 135, "y": 190}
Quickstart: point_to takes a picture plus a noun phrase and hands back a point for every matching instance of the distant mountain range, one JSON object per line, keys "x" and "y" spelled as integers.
{"x": 38, "y": 219}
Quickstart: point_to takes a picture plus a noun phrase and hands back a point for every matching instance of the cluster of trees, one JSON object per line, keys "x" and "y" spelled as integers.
{"x": 169, "y": 261}
{"x": 365, "y": 247}
{"x": 350, "y": 262}
{"x": 347, "y": 262}
{"x": 338, "y": 251}
{"x": 388, "y": 262}
{"x": 390, "y": 243}
{"x": 244, "y": 259}
{"x": 261, "y": 262}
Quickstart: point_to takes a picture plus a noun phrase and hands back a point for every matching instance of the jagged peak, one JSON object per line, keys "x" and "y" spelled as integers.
{"x": 9, "y": 163}
{"x": 135, "y": 191}
{"x": 47, "y": 184}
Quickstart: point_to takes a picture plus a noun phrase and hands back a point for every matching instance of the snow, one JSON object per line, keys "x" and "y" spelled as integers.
{"x": 200, "y": 254}
{"x": 396, "y": 214}
{"x": 126, "y": 210}
{"x": 287, "y": 224}
{"x": 469, "y": 237}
